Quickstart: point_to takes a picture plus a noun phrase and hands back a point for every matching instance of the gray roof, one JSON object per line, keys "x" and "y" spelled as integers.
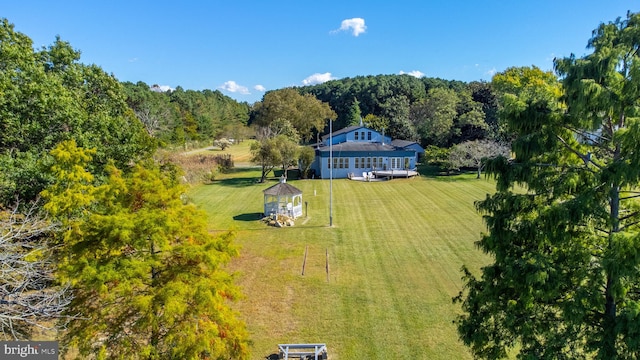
{"x": 402, "y": 143}
{"x": 406, "y": 144}
{"x": 359, "y": 146}
{"x": 282, "y": 188}
{"x": 342, "y": 131}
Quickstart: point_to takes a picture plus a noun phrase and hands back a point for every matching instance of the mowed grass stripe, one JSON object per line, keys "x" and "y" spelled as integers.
{"x": 390, "y": 263}
{"x": 403, "y": 244}
{"x": 395, "y": 253}
{"x": 381, "y": 268}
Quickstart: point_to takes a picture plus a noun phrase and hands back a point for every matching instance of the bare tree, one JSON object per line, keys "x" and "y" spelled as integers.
{"x": 474, "y": 153}
{"x": 153, "y": 122}
{"x": 29, "y": 296}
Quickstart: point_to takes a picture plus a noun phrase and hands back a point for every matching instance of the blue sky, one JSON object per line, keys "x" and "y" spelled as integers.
{"x": 243, "y": 47}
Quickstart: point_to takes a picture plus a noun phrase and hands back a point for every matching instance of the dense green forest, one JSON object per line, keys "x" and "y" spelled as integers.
{"x": 179, "y": 116}
{"x": 428, "y": 110}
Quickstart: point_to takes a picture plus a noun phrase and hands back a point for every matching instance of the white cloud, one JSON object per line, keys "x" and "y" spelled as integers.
{"x": 492, "y": 72}
{"x": 318, "y": 78}
{"x": 161, "y": 88}
{"x": 260, "y": 88}
{"x": 414, "y": 73}
{"x": 355, "y": 25}
{"x": 231, "y": 86}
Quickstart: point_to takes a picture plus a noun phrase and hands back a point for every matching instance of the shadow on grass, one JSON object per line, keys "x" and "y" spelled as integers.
{"x": 429, "y": 171}
{"x": 235, "y": 182}
{"x": 248, "y": 217}
{"x": 245, "y": 181}
{"x": 435, "y": 172}
{"x": 238, "y": 177}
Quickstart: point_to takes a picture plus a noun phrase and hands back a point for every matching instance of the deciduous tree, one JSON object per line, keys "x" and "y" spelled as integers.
{"x": 434, "y": 117}
{"x": 396, "y": 109}
{"x": 306, "y": 157}
{"x": 376, "y": 123}
{"x": 146, "y": 274}
{"x": 48, "y": 97}
{"x": 565, "y": 277}
{"x": 288, "y": 151}
{"x": 476, "y": 153}
{"x": 305, "y": 112}
{"x": 265, "y": 154}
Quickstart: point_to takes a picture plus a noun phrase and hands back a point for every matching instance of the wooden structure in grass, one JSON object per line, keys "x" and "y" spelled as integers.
{"x": 303, "y": 351}
{"x": 283, "y": 199}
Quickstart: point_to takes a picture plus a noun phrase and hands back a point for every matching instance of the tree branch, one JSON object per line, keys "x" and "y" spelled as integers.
{"x": 626, "y": 226}
{"x": 586, "y": 158}
{"x": 28, "y": 296}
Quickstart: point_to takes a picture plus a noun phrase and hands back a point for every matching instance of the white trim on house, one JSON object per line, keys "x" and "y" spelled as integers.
{"x": 358, "y": 149}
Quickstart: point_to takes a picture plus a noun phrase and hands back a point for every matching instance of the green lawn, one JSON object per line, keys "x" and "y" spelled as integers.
{"x": 240, "y": 152}
{"x": 395, "y": 252}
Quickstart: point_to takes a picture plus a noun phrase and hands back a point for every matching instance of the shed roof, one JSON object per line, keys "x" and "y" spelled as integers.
{"x": 282, "y": 189}
{"x": 402, "y": 143}
{"x": 406, "y": 144}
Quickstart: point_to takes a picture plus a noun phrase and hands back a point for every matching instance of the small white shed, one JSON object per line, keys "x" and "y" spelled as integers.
{"x": 283, "y": 199}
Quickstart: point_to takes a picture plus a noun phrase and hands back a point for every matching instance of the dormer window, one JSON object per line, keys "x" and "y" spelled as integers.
{"x": 356, "y": 135}
{"x": 369, "y": 135}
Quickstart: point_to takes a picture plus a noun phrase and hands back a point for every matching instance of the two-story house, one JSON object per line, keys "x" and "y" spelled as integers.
{"x": 356, "y": 150}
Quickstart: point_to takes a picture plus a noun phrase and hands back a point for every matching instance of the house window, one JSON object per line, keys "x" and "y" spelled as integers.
{"x": 329, "y": 163}
{"x": 368, "y": 163}
{"x": 369, "y": 135}
{"x": 357, "y": 163}
{"x": 362, "y": 162}
{"x": 356, "y": 135}
{"x": 362, "y": 135}
{"x": 375, "y": 162}
{"x": 335, "y": 163}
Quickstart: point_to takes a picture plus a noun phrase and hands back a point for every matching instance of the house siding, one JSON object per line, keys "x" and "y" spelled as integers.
{"x": 358, "y": 149}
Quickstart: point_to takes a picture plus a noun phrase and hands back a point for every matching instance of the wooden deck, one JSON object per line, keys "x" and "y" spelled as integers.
{"x": 382, "y": 175}
{"x": 395, "y": 173}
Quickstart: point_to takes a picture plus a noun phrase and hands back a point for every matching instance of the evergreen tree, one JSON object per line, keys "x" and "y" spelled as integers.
{"x": 146, "y": 274}
{"x": 564, "y": 223}
{"x": 355, "y": 115}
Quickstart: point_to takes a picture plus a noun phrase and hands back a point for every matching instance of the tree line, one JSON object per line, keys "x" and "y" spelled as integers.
{"x": 98, "y": 243}
{"x": 108, "y": 248}
{"x": 430, "y": 111}
{"x": 180, "y": 116}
